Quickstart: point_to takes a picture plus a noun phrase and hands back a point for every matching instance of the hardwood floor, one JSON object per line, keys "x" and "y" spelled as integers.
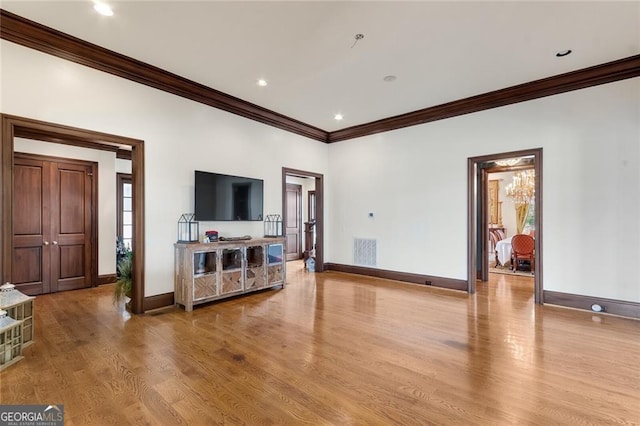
{"x": 333, "y": 349}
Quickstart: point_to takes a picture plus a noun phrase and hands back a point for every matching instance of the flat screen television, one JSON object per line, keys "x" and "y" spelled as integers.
{"x": 221, "y": 197}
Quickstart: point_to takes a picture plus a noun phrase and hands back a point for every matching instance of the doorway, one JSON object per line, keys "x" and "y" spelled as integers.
{"x": 293, "y": 223}
{"x": 318, "y": 198}
{"x": 54, "y": 224}
{"x": 20, "y": 127}
{"x": 511, "y": 211}
{"x": 478, "y": 215}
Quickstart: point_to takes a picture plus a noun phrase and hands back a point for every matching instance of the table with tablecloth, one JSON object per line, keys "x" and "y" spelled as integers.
{"x": 503, "y": 251}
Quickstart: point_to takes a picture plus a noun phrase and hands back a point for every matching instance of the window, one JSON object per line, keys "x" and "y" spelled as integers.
{"x": 125, "y": 209}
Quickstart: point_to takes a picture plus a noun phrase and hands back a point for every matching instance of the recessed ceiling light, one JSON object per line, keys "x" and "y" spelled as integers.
{"x": 390, "y": 78}
{"x": 262, "y": 82}
{"x": 562, "y": 53}
{"x": 338, "y": 117}
{"x": 102, "y": 8}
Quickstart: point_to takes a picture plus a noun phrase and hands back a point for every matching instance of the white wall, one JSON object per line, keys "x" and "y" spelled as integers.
{"x": 180, "y": 136}
{"x": 106, "y": 192}
{"x": 123, "y": 166}
{"x": 415, "y": 180}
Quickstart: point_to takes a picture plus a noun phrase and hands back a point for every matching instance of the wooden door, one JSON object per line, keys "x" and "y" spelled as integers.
{"x": 52, "y": 223}
{"x": 294, "y": 216}
{"x": 71, "y": 227}
{"x": 31, "y": 226}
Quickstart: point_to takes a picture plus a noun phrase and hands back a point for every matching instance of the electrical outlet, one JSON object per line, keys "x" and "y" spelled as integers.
{"x": 427, "y": 282}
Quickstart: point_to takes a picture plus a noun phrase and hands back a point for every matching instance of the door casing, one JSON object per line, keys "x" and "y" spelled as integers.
{"x": 477, "y": 223}
{"x": 319, "y": 188}
{"x": 14, "y": 126}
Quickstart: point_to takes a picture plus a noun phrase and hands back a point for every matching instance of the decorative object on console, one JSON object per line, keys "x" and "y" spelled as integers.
{"x": 211, "y": 236}
{"x": 522, "y": 191}
{"x": 188, "y": 229}
{"x": 10, "y": 340}
{"x": 243, "y": 238}
{"x": 20, "y": 307}
{"x": 273, "y": 226}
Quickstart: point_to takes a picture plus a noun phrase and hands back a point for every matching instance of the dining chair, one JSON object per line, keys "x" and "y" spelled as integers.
{"x": 522, "y": 248}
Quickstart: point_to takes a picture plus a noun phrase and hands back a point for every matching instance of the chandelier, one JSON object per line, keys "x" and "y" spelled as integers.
{"x": 508, "y": 162}
{"x": 523, "y": 187}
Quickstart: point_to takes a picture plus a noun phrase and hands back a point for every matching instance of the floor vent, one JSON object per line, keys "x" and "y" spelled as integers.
{"x": 364, "y": 252}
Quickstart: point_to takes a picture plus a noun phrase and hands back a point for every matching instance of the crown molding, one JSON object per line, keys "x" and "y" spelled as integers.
{"x": 36, "y": 36}
{"x": 39, "y": 37}
{"x": 574, "y": 80}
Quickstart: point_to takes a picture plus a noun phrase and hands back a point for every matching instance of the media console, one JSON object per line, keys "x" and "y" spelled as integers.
{"x": 206, "y": 272}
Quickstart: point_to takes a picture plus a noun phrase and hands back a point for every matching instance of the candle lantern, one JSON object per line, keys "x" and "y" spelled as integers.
{"x": 20, "y": 307}
{"x": 188, "y": 229}
{"x": 273, "y": 225}
{"x": 10, "y": 340}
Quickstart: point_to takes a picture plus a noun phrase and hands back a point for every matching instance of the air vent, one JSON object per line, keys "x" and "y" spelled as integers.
{"x": 364, "y": 252}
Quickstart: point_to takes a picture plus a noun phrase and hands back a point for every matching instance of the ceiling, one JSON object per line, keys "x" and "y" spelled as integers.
{"x": 439, "y": 51}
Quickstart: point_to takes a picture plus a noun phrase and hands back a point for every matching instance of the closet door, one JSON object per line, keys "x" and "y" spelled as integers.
{"x": 52, "y": 225}
{"x": 70, "y": 226}
{"x": 31, "y": 226}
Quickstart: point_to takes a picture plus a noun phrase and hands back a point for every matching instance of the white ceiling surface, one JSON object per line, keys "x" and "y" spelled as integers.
{"x": 439, "y": 51}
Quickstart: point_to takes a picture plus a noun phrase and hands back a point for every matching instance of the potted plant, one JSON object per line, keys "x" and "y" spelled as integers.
{"x": 124, "y": 281}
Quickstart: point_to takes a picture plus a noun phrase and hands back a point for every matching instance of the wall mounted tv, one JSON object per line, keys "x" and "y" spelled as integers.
{"x": 223, "y": 197}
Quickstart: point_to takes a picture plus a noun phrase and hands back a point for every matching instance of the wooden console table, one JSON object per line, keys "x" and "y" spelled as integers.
{"x": 205, "y": 272}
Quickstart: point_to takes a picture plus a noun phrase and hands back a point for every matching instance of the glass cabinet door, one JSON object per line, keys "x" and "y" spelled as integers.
{"x": 205, "y": 280}
{"x": 275, "y": 264}
{"x": 205, "y": 263}
{"x": 255, "y": 256}
{"x": 232, "y": 279}
{"x": 255, "y": 277}
{"x": 275, "y": 253}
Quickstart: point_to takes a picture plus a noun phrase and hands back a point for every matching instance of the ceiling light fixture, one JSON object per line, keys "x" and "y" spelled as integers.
{"x": 338, "y": 117}
{"x": 102, "y": 8}
{"x": 508, "y": 162}
{"x": 262, "y": 82}
{"x": 562, "y": 53}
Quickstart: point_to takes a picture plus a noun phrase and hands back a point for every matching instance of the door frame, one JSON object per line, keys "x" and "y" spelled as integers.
{"x": 477, "y": 201}
{"x": 319, "y": 188}
{"x": 15, "y": 126}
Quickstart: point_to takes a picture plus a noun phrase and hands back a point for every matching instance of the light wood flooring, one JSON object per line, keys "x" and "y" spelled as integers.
{"x": 333, "y": 349}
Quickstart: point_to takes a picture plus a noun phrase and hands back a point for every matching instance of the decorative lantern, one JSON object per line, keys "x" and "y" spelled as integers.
{"x": 18, "y": 306}
{"x": 273, "y": 226}
{"x": 188, "y": 229}
{"x": 10, "y": 340}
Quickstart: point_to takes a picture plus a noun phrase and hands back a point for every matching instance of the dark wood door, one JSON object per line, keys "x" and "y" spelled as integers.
{"x": 52, "y": 222}
{"x": 71, "y": 227}
{"x": 292, "y": 227}
{"x": 31, "y": 226}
